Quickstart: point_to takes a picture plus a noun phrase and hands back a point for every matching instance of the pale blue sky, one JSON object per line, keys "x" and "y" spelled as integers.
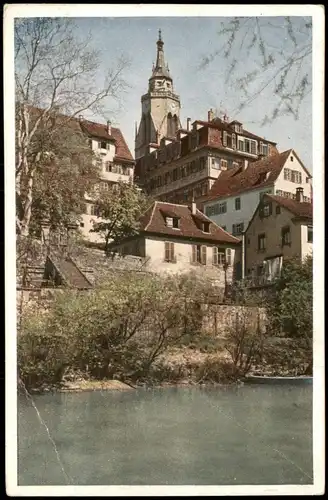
{"x": 186, "y": 40}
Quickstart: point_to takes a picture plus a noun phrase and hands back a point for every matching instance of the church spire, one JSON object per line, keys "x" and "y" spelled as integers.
{"x": 160, "y": 69}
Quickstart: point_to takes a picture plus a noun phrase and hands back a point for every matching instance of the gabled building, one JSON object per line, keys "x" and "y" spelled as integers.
{"x": 185, "y": 167}
{"x": 236, "y": 193}
{"x": 179, "y": 238}
{"x": 280, "y": 229}
{"x": 111, "y": 154}
{"x": 178, "y": 164}
{"x": 117, "y": 164}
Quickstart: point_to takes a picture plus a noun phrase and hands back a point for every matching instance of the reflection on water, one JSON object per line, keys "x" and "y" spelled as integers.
{"x": 216, "y": 436}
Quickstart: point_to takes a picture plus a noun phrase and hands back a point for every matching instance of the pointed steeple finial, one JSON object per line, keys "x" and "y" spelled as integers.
{"x": 160, "y": 69}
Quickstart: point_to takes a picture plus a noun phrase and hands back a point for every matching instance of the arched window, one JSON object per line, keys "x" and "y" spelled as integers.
{"x": 170, "y": 130}
{"x": 175, "y": 124}
{"x": 144, "y": 128}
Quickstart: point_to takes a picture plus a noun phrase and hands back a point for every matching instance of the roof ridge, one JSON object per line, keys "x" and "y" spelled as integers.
{"x": 151, "y": 217}
{"x": 175, "y": 204}
{"x": 98, "y": 123}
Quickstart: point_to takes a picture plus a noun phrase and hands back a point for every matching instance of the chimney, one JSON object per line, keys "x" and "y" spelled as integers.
{"x": 188, "y": 124}
{"x": 210, "y": 115}
{"x": 245, "y": 164}
{"x": 109, "y": 127}
{"x": 299, "y": 195}
{"x": 193, "y": 207}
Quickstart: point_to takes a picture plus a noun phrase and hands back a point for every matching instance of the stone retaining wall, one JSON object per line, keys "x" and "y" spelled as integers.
{"x": 217, "y": 318}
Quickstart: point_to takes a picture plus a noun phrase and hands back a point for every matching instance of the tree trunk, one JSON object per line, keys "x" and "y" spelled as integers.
{"x": 25, "y": 222}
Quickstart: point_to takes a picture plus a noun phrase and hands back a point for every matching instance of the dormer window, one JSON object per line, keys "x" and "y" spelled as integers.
{"x": 175, "y": 223}
{"x": 172, "y": 222}
{"x": 206, "y": 227}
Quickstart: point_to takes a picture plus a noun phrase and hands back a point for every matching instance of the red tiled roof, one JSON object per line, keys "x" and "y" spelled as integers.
{"x": 153, "y": 221}
{"x": 221, "y": 125}
{"x": 95, "y": 129}
{"x": 300, "y": 209}
{"x": 234, "y": 181}
{"x": 100, "y": 131}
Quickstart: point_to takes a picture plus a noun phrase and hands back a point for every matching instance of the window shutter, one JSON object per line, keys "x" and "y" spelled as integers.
{"x": 167, "y": 251}
{"x": 215, "y": 256}
{"x": 233, "y": 228}
{"x": 234, "y": 141}
{"x": 194, "y": 253}
{"x": 261, "y": 212}
{"x": 261, "y": 148}
{"x": 228, "y": 256}
{"x": 171, "y": 252}
{"x": 224, "y": 138}
{"x": 203, "y": 254}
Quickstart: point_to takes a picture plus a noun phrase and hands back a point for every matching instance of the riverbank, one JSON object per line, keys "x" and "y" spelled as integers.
{"x": 116, "y": 385}
{"x": 179, "y": 367}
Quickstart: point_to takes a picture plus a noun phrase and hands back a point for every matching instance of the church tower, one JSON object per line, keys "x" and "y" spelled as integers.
{"x": 160, "y": 107}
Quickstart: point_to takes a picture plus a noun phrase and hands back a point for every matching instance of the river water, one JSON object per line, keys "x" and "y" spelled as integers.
{"x": 171, "y": 436}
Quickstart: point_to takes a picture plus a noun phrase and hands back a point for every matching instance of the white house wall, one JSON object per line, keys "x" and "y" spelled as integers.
{"x": 111, "y": 177}
{"x": 249, "y": 202}
{"x": 250, "y": 199}
{"x": 284, "y": 185}
{"x": 155, "y": 251}
{"x": 307, "y": 247}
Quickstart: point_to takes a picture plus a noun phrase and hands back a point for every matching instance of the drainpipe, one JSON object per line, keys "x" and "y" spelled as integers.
{"x": 243, "y": 256}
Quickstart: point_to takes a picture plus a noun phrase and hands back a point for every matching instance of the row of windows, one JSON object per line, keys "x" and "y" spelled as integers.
{"x": 291, "y": 196}
{"x": 187, "y": 195}
{"x": 223, "y": 164}
{"x": 220, "y": 256}
{"x": 285, "y": 238}
{"x": 218, "y": 208}
{"x": 292, "y": 176}
{"x": 172, "y": 151}
{"x": 101, "y": 144}
{"x": 179, "y": 173}
{"x": 245, "y": 145}
{"x": 116, "y": 168}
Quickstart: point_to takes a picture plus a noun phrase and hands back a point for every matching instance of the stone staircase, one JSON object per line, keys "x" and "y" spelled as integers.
{"x": 66, "y": 272}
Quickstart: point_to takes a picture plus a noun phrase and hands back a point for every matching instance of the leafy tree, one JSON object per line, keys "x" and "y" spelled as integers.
{"x": 54, "y": 71}
{"x": 120, "y": 208}
{"x": 278, "y": 51}
{"x": 67, "y": 169}
{"x": 290, "y": 310}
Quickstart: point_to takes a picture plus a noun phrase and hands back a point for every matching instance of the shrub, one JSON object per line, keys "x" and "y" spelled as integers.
{"x": 115, "y": 331}
{"x": 290, "y": 311}
{"x": 243, "y": 343}
{"x": 215, "y": 371}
